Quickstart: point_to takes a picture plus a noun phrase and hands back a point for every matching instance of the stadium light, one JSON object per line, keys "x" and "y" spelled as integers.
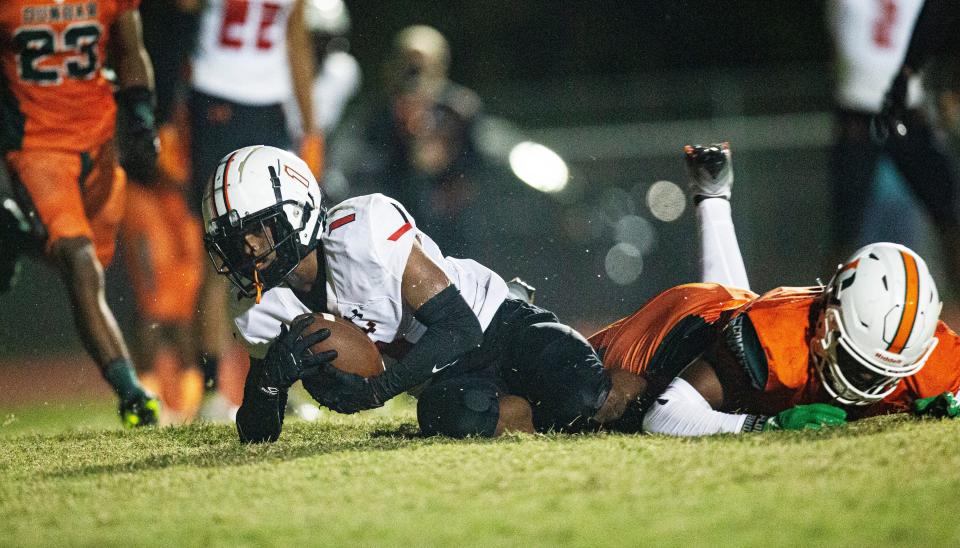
{"x": 539, "y": 167}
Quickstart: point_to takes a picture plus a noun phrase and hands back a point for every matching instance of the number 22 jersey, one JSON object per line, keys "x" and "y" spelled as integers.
{"x": 241, "y": 51}
{"x": 53, "y": 93}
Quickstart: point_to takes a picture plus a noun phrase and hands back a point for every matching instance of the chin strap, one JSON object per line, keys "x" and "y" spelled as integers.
{"x": 258, "y": 284}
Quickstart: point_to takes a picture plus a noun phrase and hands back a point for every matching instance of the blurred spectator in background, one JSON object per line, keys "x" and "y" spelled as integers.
{"x": 58, "y": 119}
{"x": 944, "y": 79}
{"x": 161, "y": 239}
{"x": 421, "y": 143}
{"x": 871, "y": 39}
{"x": 251, "y": 56}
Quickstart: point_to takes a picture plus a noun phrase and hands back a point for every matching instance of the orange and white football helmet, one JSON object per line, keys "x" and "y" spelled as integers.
{"x": 877, "y": 325}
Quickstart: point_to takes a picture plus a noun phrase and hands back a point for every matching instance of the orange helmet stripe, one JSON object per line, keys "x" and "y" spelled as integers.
{"x": 226, "y": 171}
{"x": 848, "y": 266}
{"x": 910, "y": 305}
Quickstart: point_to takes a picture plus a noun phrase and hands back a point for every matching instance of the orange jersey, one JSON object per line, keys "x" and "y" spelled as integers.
{"x": 632, "y": 342}
{"x": 783, "y": 320}
{"x": 51, "y": 55}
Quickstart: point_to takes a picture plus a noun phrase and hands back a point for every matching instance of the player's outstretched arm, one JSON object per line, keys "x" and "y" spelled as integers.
{"x": 684, "y": 410}
{"x": 452, "y": 330}
{"x": 945, "y": 405}
{"x": 303, "y": 67}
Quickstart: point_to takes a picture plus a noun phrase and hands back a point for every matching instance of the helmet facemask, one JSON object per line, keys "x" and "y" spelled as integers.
{"x": 849, "y": 376}
{"x": 227, "y": 244}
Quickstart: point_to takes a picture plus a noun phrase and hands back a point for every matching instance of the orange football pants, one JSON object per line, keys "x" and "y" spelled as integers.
{"x": 75, "y": 194}
{"x": 162, "y": 240}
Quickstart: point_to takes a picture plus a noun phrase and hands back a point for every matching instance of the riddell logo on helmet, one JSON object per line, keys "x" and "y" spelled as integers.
{"x": 881, "y": 357}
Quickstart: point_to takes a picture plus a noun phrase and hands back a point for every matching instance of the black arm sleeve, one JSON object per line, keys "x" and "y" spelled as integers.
{"x": 452, "y": 331}
{"x": 260, "y": 417}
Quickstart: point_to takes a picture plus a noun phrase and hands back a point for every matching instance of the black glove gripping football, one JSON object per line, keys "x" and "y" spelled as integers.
{"x": 137, "y": 140}
{"x": 289, "y": 358}
{"x": 348, "y": 393}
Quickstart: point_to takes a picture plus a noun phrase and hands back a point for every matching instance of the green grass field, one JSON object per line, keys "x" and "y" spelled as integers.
{"x": 69, "y": 475}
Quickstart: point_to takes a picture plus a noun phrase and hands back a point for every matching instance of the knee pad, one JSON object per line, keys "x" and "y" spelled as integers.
{"x": 563, "y": 374}
{"x": 459, "y": 407}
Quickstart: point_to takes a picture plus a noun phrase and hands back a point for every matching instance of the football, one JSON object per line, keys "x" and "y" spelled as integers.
{"x": 357, "y": 353}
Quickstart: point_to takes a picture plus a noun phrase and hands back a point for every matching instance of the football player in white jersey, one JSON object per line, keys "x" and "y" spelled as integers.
{"x": 488, "y": 363}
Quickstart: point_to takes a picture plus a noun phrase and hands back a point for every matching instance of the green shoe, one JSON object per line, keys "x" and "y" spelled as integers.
{"x": 142, "y": 411}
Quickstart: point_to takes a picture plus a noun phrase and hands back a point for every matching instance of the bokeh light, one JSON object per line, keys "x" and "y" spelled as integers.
{"x": 539, "y": 167}
{"x": 623, "y": 263}
{"x": 666, "y": 201}
{"x": 636, "y": 231}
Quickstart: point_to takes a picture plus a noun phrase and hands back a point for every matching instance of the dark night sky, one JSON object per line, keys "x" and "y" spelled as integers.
{"x": 510, "y": 40}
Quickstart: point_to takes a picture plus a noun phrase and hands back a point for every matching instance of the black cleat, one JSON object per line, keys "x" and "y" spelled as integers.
{"x": 710, "y": 170}
{"x": 521, "y": 290}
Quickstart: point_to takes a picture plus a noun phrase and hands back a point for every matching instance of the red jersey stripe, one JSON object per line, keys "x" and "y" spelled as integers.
{"x": 400, "y": 232}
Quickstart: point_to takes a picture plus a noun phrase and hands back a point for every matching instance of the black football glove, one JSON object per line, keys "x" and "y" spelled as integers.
{"x": 890, "y": 122}
{"x": 348, "y": 393}
{"x": 289, "y": 358}
{"x": 137, "y": 140}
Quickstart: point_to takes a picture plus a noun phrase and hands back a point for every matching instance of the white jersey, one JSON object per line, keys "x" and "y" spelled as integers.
{"x": 366, "y": 245}
{"x": 871, "y": 39}
{"x": 337, "y": 83}
{"x": 241, "y": 53}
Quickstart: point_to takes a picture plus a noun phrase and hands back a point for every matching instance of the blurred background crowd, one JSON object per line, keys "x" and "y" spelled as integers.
{"x": 544, "y": 139}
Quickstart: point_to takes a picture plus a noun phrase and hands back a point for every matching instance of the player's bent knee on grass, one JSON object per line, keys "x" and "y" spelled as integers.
{"x": 460, "y": 407}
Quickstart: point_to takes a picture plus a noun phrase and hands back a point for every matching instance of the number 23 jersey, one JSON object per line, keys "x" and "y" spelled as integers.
{"x": 54, "y": 95}
{"x": 366, "y": 244}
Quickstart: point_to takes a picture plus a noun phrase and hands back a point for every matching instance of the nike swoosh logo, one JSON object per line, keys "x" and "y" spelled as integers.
{"x": 442, "y": 367}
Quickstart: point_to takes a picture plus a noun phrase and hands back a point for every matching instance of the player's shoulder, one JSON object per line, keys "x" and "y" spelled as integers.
{"x": 788, "y": 296}
{"x": 948, "y": 342}
{"x": 372, "y": 216}
{"x": 369, "y": 231}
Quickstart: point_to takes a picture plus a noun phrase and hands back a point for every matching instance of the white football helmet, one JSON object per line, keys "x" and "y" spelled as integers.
{"x": 877, "y": 324}
{"x": 265, "y": 190}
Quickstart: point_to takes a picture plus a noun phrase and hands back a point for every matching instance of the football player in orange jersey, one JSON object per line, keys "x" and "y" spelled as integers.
{"x": 163, "y": 249}
{"x": 160, "y": 238}
{"x": 715, "y": 358}
{"x": 58, "y": 117}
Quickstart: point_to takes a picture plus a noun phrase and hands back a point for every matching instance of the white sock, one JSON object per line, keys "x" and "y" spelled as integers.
{"x": 719, "y": 250}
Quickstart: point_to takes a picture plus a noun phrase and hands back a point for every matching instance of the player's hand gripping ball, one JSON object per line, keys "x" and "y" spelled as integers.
{"x": 356, "y": 352}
